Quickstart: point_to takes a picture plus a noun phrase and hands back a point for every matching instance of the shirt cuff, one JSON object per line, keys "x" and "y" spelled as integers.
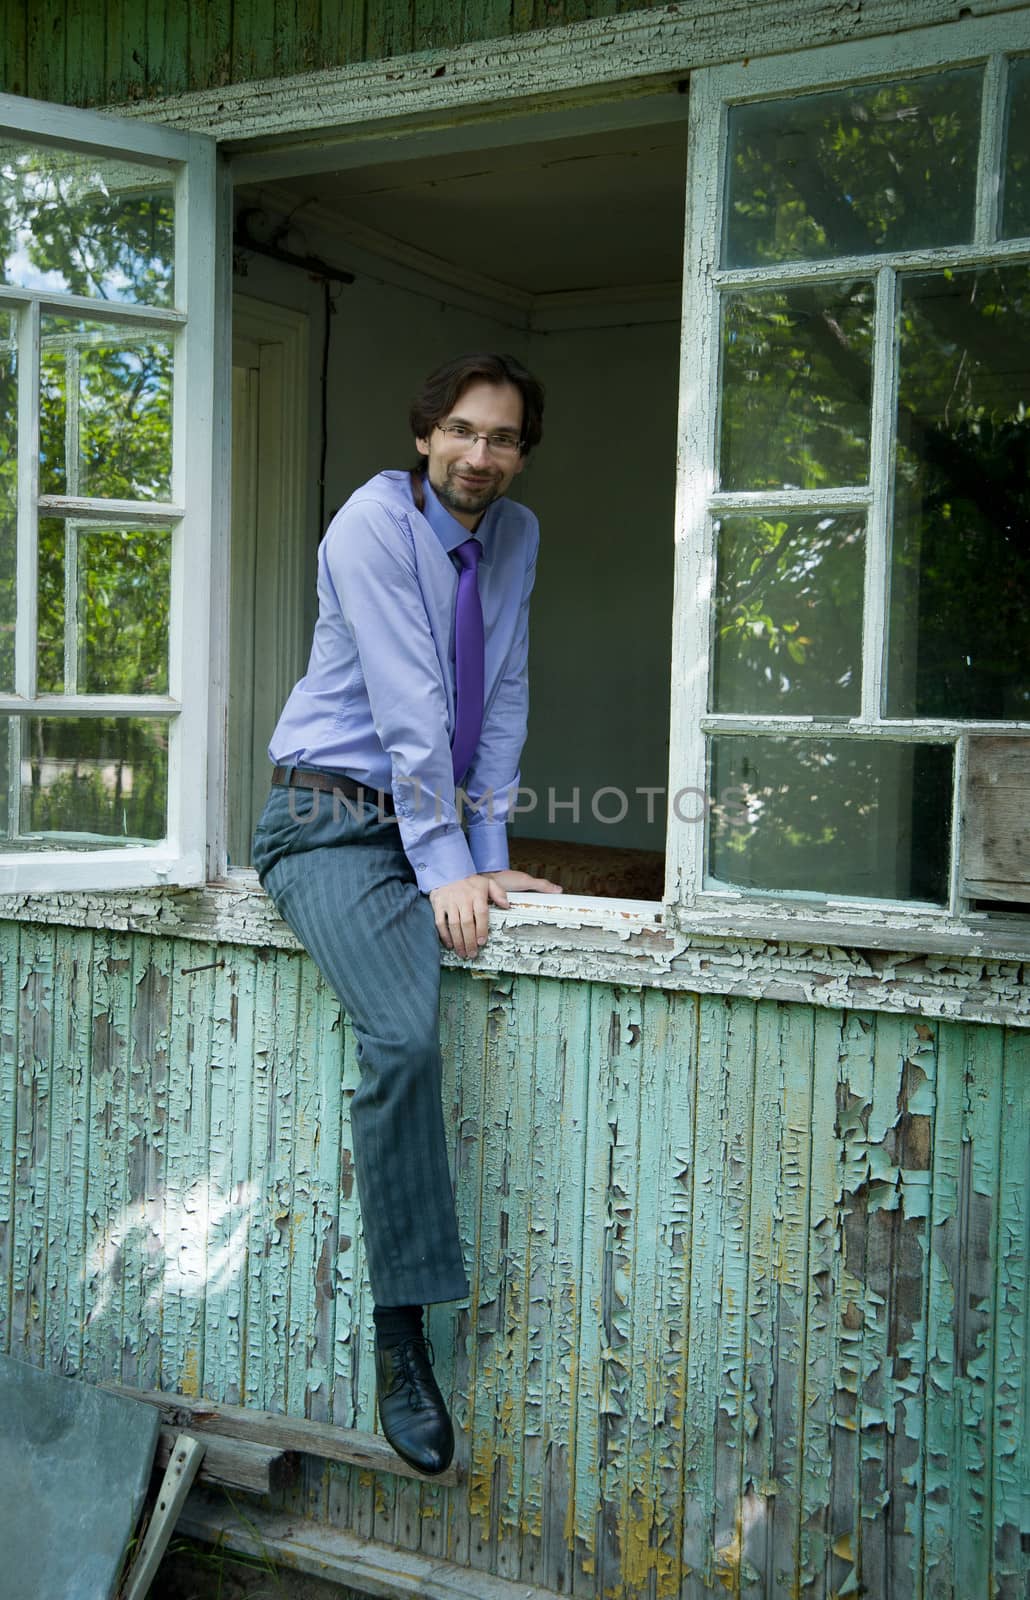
{"x": 442, "y": 860}
{"x": 488, "y": 842}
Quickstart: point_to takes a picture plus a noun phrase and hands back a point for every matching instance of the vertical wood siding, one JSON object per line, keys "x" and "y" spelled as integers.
{"x": 749, "y": 1305}
{"x": 106, "y": 52}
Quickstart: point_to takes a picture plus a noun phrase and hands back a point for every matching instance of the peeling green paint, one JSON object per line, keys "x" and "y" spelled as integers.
{"x": 749, "y": 1298}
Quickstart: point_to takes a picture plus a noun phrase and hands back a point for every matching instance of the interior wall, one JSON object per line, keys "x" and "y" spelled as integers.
{"x": 603, "y": 486}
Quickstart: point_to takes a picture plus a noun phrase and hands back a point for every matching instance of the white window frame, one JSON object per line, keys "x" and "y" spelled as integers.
{"x": 181, "y": 858}
{"x": 690, "y": 902}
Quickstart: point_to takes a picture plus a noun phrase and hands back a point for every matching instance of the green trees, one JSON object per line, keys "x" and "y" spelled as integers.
{"x": 104, "y": 385}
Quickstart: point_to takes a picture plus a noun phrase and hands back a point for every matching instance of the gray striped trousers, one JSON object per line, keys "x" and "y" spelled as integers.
{"x": 340, "y": 878}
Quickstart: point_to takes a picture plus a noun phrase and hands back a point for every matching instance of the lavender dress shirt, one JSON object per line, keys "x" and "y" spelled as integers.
{"x": 377, "y": 700}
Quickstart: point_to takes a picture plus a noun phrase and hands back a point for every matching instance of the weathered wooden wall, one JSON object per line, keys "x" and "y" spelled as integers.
{"x": 95, "y": 52}
{"x": 750, "y": 1279}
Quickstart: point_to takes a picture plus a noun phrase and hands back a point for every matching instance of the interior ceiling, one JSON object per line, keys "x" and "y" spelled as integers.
{"x": 596, "y": 212}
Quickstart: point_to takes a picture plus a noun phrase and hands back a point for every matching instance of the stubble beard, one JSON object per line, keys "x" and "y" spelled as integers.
{"x": 457, "y": 498}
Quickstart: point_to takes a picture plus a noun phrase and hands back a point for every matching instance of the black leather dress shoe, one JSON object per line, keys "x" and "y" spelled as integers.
{"x": 411, "y": 1407}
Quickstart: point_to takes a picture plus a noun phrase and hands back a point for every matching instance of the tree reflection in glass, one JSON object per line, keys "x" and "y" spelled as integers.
{"x": 888, "y": 166}
{"x": 93, "y": 780}
{"x": 788, "y": 617}
{"x": 832, "y": 816}
{"x": 796, "y": 383}
{"x": 83, "y": 224}
{"x": 103, "y": 601}
{"x": 105, "y": 411}
{"x": 959, "y": 642}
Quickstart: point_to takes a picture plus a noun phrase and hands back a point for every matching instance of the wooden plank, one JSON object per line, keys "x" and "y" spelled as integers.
{"x": 143, "y": 1250}
{"x": 620, "y": 1098}
{"x": 897, "y": 1249}
{"x": 232, "y": 1463}
{"x": 706, "y": 1297}
{"x": 79, "y": 47}
{"x": 232, "y": 1189}
{"x": 1011, "y": 1413}
{"x": 302, "y": 34}
{"x": 187, "y": 1195}
{"x": 108, "y": 1218}
{"x": 32, "y": 1146}
{"x": 169, "y": 26}
{"x": 337, "y": 1556}
{"x": 481, "y": 19}
{"x": 778, "y": 1268}
{"x": 670, "y": 1073}
{"x": 350, "y": 45}
{"x": 284, "y": 1433}
{"x": 70, "y": 1153}
{"x": 210, "y": 44}
{"x": 996, "y": 829}
{"x": 963, "y": 1277}
{"x": 592, "y": 1340}
{"x": 647, "y": 1494}
{"x": 47, "y": 63}
{"x": 135, "y": 60}
{"x": 183, "y": 1466}
{"x": 825, "y": 1224}
{"x": 747, "y": 1564}
{"x": 10, "y": 939}
{"x": 14, "y": 61}
{"x": 253, "y": 40}
{"x": 976, "y": 1309}
{"x": 853, "y": 1098}
{"x": 389, "y": 29}
{"x": 496, "y": 1303}
{"x": 274, "y": 1011}
{"x": 513, "y": 1066}
{"x": 537, "y": 1059}
{"x": 562, "y": 1088}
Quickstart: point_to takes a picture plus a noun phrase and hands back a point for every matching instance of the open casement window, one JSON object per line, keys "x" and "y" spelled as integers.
{"x": 854, "y": 513}
{"x": 106, "y": 421}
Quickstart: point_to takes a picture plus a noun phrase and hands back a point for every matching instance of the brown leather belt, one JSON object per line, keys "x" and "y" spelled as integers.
{"x": 330, "y": 782}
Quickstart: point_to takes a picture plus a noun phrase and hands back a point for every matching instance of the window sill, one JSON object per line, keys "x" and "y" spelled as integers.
{"x": 976, "y": 974}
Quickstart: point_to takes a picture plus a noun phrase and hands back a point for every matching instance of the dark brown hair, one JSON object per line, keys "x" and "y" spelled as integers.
{"x": 442, "y": 389}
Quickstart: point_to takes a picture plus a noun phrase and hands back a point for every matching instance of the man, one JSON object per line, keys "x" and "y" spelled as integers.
{"x": 415, "y": 691}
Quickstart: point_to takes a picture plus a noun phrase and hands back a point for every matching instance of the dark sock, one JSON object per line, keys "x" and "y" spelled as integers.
{"x": 394, "y": 1324}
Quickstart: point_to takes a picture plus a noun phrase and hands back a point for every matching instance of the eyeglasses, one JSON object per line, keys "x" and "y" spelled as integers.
{"x": 499, "y": 442}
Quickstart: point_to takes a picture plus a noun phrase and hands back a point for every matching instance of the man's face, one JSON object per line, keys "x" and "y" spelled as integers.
{"x": 468, "y": 477}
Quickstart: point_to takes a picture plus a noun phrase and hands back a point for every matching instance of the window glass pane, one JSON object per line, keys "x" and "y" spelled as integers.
{"x": 84, "y": 224}
{"x": 795, "y": 386}
{"x": 103, "y": 608}
{"x": 959, "y": 643}
{"x": 831, "y": 816}
{"x": 1016, "y": 215}
{"x": 89, "y": 781}
{"x": 106, "y": 411}
{"x": 888, "y": 166}
{"x": 8, "y": 499}
{"x": 788, "y": 628}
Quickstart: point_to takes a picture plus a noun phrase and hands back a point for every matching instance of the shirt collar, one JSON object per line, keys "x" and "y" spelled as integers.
{"x": 451, "y": 532}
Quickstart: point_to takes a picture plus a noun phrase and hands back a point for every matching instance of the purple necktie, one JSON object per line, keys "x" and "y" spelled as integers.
{"x": 468, "y": 660}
